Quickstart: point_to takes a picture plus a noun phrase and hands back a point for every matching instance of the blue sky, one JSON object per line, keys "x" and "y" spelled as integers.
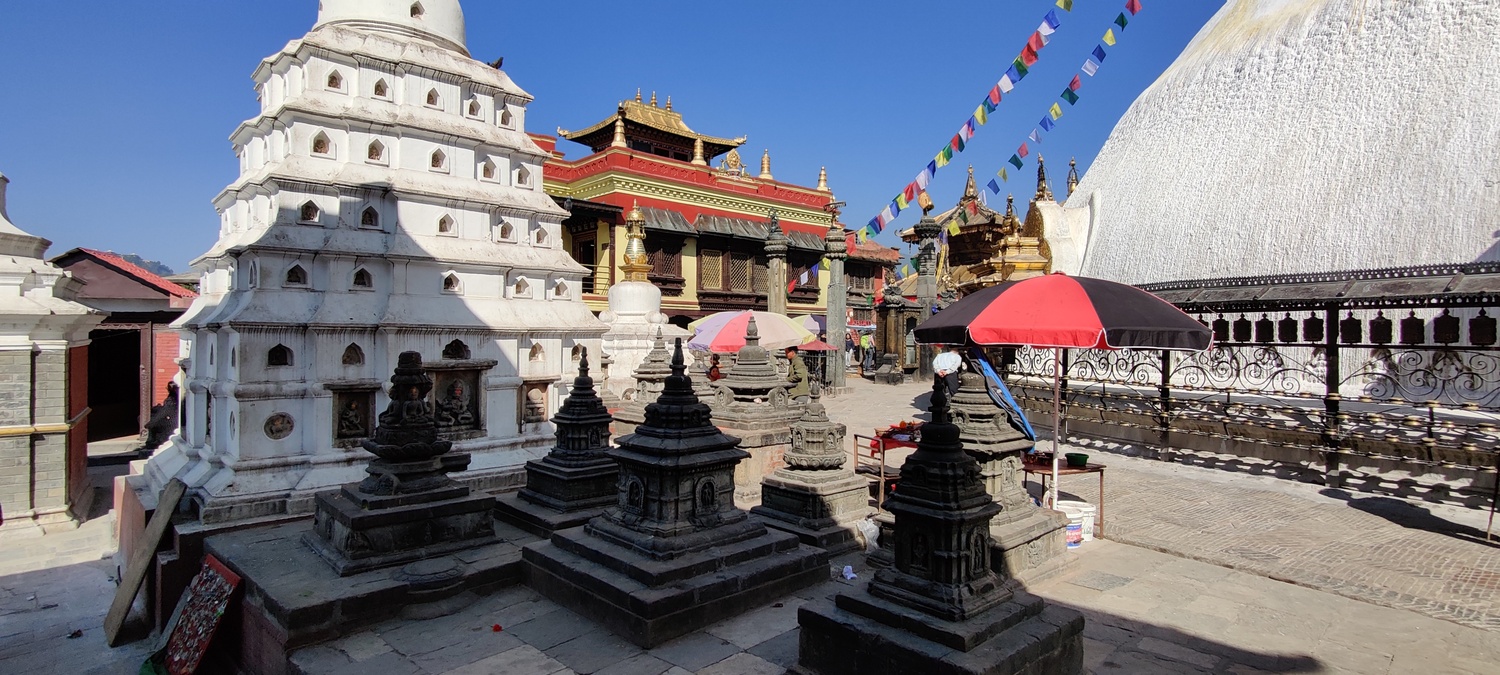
{"x": 114, "y": 116}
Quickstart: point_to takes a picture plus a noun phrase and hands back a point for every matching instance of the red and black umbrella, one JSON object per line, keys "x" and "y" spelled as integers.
{"x": 1065, "y": 312}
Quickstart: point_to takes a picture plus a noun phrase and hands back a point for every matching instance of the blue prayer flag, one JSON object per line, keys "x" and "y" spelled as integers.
{"x": 994, "y": 187}
{"x": 1047, "y": 123}
{"x": 1099, "y": 53}
{"x": 1013, "y": 74}
{"x": 1051, "y": 19}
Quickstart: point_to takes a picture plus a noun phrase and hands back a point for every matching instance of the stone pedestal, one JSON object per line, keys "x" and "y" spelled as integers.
{"x": 649, "y": 378}
{"x": 815, "y": 497}
{"x": 577, "y": 479}
{"x": 939, "y": 607}
{"x": 752, "y": 404}
{"x": 1030, "y": 543}
{"x": 890, "y": 371}
{"x": 407, "y": 508}
{"x": 674, "y": 553}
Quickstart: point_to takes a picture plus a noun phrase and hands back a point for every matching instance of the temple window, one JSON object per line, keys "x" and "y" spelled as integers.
{"x": 537, "y": 353}
{"x": 254, "y": 274}
{"x": 279, "y": 355}
{"x": 445, "y": 226}
{"x": 382, "y": 90}
{"x": 335, "y": 81}
{"x": 362, "y": 279}
{"x": 711, "y": 270}
{"x": 376, "y": 152}
{"x": 523, "y": 177}
{"x": 439, "y": 160}
{"x": 296, "y": 276}
{"x": 451, "y": 283}
{"x": 309, "y": 213}
{"x": 523, "y": 289}
{"x": 416, "y": 10}
{"x": 234, "y": 357}
{"x": 433, "y": 99}
{"x": 540, "y": 237}
{"x": 456, "y": 351}
{"x": 487, "y": 170}
{"x": 369, "y": 217}
{"x": 321, "y": 145}
{"x": 505, "y": 118}
{"x": 474, "y": 109}
{"x": 507, "y": 231}
{"x": 577, "y": 353}
{"x": 560, "y": 290}
{"x": 353, "y": 355}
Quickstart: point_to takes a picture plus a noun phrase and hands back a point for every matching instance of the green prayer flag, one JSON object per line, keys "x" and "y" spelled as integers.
{"x": 1066, "y": 5}
{"x": 1016, "y": 160}
{"x": 1070, "y": 96}
{"x": 1019, "y": 66}
{"x": 1120, "y": 21}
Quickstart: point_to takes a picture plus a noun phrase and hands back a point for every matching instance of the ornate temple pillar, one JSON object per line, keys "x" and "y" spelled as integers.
{"x": 776, "y": 268}
{"x": 837, "y": 249}
{"x": 927, "y": 231}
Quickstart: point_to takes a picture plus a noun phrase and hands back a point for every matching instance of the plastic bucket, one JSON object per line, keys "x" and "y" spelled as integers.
{"x": 1075, "y": 524}
{"x": 1087, "y": 510}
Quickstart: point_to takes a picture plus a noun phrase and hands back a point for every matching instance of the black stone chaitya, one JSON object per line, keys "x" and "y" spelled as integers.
{"x": 674, "y": 553}
{"x": 577, "y": 479}
{"x": 939, "y": 608}
{"x": 407, "y": 508}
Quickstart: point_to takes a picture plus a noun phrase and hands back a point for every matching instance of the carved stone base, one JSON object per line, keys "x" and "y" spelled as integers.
{"x": 650, "y": 601}
{"x": 558, "y": 496}
{"x": 354, "y": 539}
{"x": 1031, "y": 548}
{"x": 767, "y": 448}
{"x": 859, "y": 634}
{"x": 820, "y": 507}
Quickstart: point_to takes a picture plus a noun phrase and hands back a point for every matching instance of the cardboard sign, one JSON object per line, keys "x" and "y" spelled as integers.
{"x": 207, "y": 600}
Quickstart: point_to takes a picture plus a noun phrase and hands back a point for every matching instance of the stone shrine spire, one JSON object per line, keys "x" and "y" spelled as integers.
{"x": 1072, "y": 176}
{"x": 765, "y": 165}
{"x": 1043, "y": 191}
{"x": 971, "y": 190}
{"x": 823, "y": 179}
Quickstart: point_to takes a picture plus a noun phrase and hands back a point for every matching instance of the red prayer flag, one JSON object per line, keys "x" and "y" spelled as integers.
{"x": 1028, "y": 55}
{"x": 1035, "y": 42}
{"x": 791, "y": 285}
{"x": 1023, "y": 151}
{"x": 973, "y": 208}
{"x": 1075, "y": 84}
{"x": 1133, "y": 6}
{"x": 911, "y": 192}
{"x": 995, "y": 94}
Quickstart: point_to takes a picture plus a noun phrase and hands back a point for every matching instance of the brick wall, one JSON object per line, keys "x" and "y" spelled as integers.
{"x": 38, "y": 471}
{"x": 15, "y": 387}
{"x": 164, "y": 346}
{"x": 78, "y": 438}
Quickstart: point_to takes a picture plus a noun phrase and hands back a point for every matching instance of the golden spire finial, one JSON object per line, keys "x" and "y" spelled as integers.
{"x": 823, "y": 179}
{"x": 698, "y": 158}
{"x": 925, "y": 201}
{"x": 637, "y": 94}
{"x": 1042, "y": 190}
{"x": 1072, "y": 176}
{"x": 1010, "y": 224}
{"x": 619, "y": 140}
{"x": 653, "y": 99}
{"x": 971, "y": 191}
{"x": 765, "y": 165}
{"x": 669, "y": 102}
{"x": 637, "y": 264}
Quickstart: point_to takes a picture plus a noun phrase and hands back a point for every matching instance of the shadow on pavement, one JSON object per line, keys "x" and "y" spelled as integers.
{"x": 1411, "y": 516}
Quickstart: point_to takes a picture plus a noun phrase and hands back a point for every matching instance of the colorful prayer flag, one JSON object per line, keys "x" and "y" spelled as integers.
{"x": 860, "y": 235}
{"x": 993, "y": 186}
{"x": 957, "y": 143}
{"x": 902, "y": 201}
{"x": 1109, "y": 37}
{"x": 1099, "y": 53}
{"x": 1133, "y": 6}
{"x": 931, "y": 171}
{"x": 1051, "y": 21}
{"x": 1009, "y": 79}
{"x": 1016, "y": 161}
{"x": 1070, "y": 96}
{"x": 973, "y": 208}
{"x": 968, "y": 129}
{"x": 1028, "y": 56}
{"x": 910, "y": 192}
{"x": 1066, "y": 5}
{"x": 1045, "y": 30}
{"x": 1120, "y": 21}
{"x": 994, "y": 96}
{"x": 1055, "y": 111}
{"x": 1035, "y": 136}
{"x": 953, "y": 227}
{"x": 895, "y": 209}
{"x": 1075, "y": 84}
{"x": 924, "y": 177}
{"x": 942, "y": 157}
{"x": 1035, "y": 42}
{"x": 1023, "y": 150}
{"x": 1089, "y": 67}
{"x": 1046, "y": 123}
{"x": 802, "y": 279}
{"x": 1003, "y": 176}
{"x": 1020, "y": 66}
{"x": 886, "y": 216}
{"x": 980, "y": 115}
{"x": 791, "y": 285}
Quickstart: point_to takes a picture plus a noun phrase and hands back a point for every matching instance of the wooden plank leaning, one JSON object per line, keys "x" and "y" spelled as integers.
{"x": 140, "y": 560}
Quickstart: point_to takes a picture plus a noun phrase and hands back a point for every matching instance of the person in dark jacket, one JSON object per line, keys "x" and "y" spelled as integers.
{"x": 796, "y": 373}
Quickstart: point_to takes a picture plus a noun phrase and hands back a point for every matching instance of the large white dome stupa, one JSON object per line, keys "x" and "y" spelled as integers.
{"x": 440, "y": 20}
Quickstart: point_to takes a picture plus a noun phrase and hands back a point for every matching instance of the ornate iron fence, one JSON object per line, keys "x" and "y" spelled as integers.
{"x": 1334, "y": 389}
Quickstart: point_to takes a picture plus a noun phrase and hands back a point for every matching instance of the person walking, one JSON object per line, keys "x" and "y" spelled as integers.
{"x": 945, "y": 367}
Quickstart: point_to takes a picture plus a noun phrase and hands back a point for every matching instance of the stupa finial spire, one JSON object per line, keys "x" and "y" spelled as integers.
{"x": 1072, "y": 175}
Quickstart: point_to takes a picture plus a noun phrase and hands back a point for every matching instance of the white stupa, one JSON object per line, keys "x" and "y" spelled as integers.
{"x": 388, "y": 201}
{"x": 1306, "y": 136}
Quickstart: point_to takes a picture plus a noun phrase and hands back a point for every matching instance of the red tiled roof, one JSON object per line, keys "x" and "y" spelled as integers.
{"x": 134, "y": 270}
{"x": 870, "y": 250}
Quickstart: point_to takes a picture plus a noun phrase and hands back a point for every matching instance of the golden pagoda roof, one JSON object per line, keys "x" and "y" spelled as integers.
{"x": 661, "y": 119}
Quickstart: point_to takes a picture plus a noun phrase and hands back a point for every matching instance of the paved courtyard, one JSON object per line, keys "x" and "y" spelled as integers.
{"x": 1193, "y": 579}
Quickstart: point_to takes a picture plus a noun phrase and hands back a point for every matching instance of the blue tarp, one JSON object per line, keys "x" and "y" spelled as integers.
{"x": 1000, "y": 394}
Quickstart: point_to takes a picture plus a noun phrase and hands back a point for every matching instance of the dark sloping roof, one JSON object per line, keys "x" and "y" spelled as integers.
{"x": 805, "y": 241}
{"x": 733, "y": 227}
{"x": 133, "y": 270}
{"x": 665, "y": 220}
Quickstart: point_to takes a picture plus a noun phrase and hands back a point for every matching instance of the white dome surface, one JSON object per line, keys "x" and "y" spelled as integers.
{"x": 1307, "y": 136}
{"x": 442, "y": 20}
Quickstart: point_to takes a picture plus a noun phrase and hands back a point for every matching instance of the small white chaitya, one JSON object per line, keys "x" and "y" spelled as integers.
{"x": 388, "y": 201}
{"x": 634, "y": 315}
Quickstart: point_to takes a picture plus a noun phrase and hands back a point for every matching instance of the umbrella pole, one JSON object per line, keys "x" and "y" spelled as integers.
{"x": 1056, "y": 416}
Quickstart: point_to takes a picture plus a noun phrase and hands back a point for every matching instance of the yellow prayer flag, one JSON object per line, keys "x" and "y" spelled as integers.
{"x": 1056, "y": 111}
{"x": 1003, "y": 175}
{"x": 953, "y": 227}
{"x": 1066, "y": 5}
{"x": 1109, "y": 37}
{"x": 941, "y": 160}
{"x": 901, "y": 200}
{"x": 980, "y": 115}
{"x": 860, "y": 235}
